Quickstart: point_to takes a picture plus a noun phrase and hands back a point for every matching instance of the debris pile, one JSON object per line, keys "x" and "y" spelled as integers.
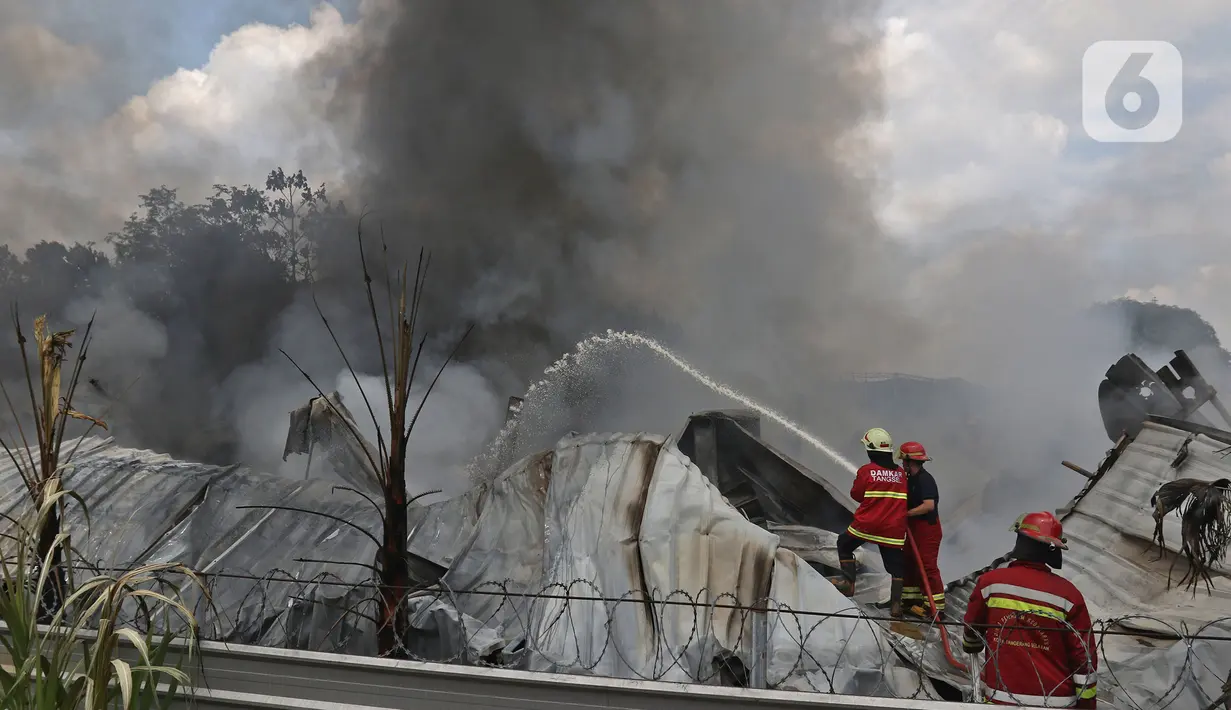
{"x": 700, "y": 557}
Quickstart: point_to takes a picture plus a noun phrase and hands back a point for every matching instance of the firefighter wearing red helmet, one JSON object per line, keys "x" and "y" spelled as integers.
{"x": 880, "y": 491}
{"x": 923, "y": 526}
{"x": 1034, "y": 625}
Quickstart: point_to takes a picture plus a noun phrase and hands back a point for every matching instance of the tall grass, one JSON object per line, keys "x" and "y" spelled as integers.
{"x": 107, "y": 641}
{"x": 76, "y": 660}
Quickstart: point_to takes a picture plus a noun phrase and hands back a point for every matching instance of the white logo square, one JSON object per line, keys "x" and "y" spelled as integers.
{"x": 1132, "y": 91}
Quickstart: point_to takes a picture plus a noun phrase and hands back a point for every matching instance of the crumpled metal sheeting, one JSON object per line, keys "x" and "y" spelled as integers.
{"x": 628, "y": 516}
{"x": 829, "y": 654}
{"x": 492, "y": 539}
{"x": 1112, "y": 562}
{"x": 695, "y": 547}
{"x": 593, "y": 527}
{"x": 220, "y": 536}
{"x": 1182, "y": 677}
{"x": 326, "y": 422}
{"x": 1110, "y": 557}
{"x": 821, "y": 547}
{"x": 442, "y": 632}
{"x": 441, "y": 531}
{"x": 147, "y": 507}
{"x": 134, "y": 497}
{"x": 600, "y": 515}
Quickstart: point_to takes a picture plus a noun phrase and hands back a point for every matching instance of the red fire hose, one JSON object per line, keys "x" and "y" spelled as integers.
{"x": 944, "y": 632}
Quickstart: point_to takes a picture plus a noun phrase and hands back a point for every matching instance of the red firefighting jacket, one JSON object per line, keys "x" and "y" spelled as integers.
{"x": 1040, "y": 649}
{"x": 881, "y": 494}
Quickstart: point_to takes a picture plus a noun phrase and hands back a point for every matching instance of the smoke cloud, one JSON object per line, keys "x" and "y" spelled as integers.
{"x": 714, "y": 179}
{"x": 577, "y": 166}
{"x": 95, "y": 108}
{"x": 1010, "y": 312}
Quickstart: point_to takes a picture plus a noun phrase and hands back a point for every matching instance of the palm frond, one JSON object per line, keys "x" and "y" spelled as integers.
{"x": 1205, "y": 525}
{"x": 1169, "y": 497}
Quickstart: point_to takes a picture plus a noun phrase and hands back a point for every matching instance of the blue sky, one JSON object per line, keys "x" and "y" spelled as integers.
{"x": 982, "y": 138}
{"x": 142, "y": 41}
{"x": 199, "y": 25}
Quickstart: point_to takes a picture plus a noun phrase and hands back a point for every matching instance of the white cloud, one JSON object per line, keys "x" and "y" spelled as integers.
{"x": 243, "y": 104}
{"x": 1021, "y": 58}
{"x": 981, "y": 136}
{"x": 247, "y": 110}
{"x": 983, "y": 133}
{"x": 957, "y": 106}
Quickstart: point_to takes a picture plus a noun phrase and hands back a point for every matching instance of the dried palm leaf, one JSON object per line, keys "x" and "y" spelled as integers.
{"x": 1205, "y": 525}
{"x": 1169, "y": 497}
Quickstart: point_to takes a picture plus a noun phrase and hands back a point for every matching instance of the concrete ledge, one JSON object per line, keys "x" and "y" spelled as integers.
{"x": 235, "y": 676}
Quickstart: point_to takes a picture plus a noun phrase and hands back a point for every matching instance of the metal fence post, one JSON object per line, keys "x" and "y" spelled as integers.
{"x": 760, "y": 647}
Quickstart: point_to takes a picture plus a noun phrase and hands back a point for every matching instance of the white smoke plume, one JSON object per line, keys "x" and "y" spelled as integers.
{"x": 784, "y": 192}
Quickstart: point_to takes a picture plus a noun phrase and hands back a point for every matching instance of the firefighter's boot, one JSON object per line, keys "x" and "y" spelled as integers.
{"x": 895, "y": 597}
{"x": 846, "y": 583}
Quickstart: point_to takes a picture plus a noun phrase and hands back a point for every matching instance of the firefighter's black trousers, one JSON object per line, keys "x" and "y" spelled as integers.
{"x": 892, "y": 557}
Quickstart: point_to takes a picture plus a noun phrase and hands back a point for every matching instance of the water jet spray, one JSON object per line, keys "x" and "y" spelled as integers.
{"x": 602, "y": 343}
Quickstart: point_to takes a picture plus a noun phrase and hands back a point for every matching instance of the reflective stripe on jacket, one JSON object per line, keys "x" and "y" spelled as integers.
{"x": 1037, "y": 632}
{"x": 881, "y": 494}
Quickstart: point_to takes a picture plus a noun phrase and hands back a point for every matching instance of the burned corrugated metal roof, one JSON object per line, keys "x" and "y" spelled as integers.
{"x": 146, "y": 507}
{"x": 1110, "y": 527}
{"x": 1112, "y": 560}
{"x": 758, "y": 479}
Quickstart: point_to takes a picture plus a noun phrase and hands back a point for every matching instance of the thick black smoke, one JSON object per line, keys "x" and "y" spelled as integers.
{"x": 688, "y": 170}
{"x": 572, "y": 166}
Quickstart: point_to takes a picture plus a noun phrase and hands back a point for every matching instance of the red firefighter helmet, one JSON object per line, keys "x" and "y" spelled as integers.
{"x": 913, "y": 451}
{"x": 1042, "y": 526}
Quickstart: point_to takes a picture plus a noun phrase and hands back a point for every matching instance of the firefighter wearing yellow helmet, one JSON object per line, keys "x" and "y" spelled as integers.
{"x": 880, "y": 491}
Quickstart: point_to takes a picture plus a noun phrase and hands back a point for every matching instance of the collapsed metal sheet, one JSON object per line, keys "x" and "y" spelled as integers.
{"x": 658, "y": 556}
{"x": 146, "y": 507}
{"x": 570, "y": 511}
{"x": 326, "y": 422}
{"x": 1125, "y": 583}
{"x": 134, "y": 497}
{"x": 491, "y": 539}
{"x": 758, "y": 479}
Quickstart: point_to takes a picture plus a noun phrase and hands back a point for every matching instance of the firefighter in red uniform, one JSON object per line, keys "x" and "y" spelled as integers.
{"x": 923, "y": 527}
{"x": 880, "y": 490}
{"x": 1040, "y": 649}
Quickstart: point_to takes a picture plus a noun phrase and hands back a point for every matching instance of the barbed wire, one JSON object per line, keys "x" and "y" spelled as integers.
{"x": 694, "y": 636}
{"x": 501, "y": 589}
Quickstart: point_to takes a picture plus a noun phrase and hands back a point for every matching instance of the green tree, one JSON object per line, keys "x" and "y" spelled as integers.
{"x": 10, "y": 270}
{"x": 299, "y": 215}
{"x": 284, "y": 222}
{"x": 216, "y": 274}
{"x": 242, "y": 210}
{"x": 151, "y": 237}
{"x": 53, "y": 274}
{"x": 1158, "y": 327}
